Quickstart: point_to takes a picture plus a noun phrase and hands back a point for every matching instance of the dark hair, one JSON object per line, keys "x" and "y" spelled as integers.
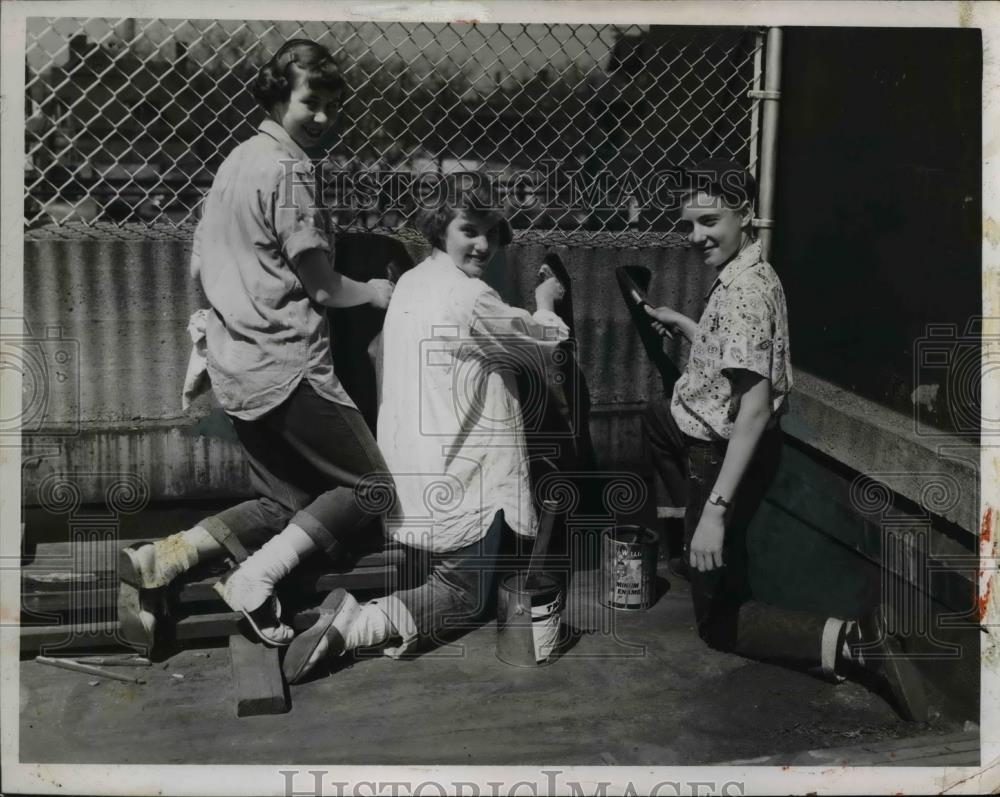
{"x": 478, "y": 199}
{"x": 722, "y": 178}
{"x": 276, "y": 79}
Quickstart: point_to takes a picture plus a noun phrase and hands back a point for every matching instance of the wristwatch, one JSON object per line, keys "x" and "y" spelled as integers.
{"x": 718, "y": 500}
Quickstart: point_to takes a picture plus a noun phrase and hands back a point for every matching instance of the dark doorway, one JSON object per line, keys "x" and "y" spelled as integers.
{"x": 878, "y": 214}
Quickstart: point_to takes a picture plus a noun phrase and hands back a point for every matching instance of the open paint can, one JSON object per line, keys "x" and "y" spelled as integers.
{"x": 628, "y": 567}
{"x": 528, "y": 618}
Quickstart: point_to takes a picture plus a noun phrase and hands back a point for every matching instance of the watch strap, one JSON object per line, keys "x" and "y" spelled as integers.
{"x": 718, "y": 500}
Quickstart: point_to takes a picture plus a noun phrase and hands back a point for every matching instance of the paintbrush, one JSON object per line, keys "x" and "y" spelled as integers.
{"x": 627, "y": 276}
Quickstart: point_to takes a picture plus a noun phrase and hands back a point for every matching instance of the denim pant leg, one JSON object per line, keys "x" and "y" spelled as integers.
{"x": 313, "y": 463}
{"x": 248, "y": 525}
{"x": 667, "y": 449}
{"x": 341, "y": 468}
{"x": 727, "y": 616}
{"x": 458, "y": 589}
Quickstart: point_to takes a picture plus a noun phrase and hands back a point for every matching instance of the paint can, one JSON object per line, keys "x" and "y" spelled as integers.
{"x": 528, "y": 619}
{"x": 628, "y": 567}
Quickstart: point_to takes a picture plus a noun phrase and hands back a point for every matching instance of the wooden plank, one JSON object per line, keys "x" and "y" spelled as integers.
{"x": 960, "y": 739}
{"x": 195, "y": 627}
{"x": 920, "y": 756}
{"x": 929, "y": 758}
{"x": 359, "y": 579}
{"x": 207, "y": 626}
{"x": 957, "y": 749}
{"x": 58, "y": 581}
{"x": 101, "y": 555}
{"x": 258, "y": 687}
{"x": 52, "y": 638}
{"x": 95, "y": 594}
{"x": 970, "y": 759}
{"x": 219, "y": 624}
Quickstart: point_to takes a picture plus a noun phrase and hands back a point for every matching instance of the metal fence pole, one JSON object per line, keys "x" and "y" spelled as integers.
{"x": 758, "y": 74}
{"x": 771, "y": 97}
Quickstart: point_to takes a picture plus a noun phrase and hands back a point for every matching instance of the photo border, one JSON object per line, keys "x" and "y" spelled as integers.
{"x": 248, "y": 779}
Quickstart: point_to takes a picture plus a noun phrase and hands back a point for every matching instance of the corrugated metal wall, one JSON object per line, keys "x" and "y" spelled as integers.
{"x": 125, "y": 305}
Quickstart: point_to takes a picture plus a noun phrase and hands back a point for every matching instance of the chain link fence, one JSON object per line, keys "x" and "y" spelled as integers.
{"x": 128, "y": 119}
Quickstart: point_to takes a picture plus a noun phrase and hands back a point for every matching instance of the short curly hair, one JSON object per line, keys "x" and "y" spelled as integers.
{"x": 303, "y": 59}
{"x": 478, "y": 200}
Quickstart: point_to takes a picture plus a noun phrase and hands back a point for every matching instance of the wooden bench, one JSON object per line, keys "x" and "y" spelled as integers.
{"x": 69, "y": 605}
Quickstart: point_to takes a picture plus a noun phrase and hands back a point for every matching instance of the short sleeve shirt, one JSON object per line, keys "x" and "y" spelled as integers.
{"x": 744, "y": 327}
{"x": 265, "y": 335}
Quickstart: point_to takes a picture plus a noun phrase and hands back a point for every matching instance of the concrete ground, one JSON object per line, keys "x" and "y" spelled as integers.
{"x": 631, "y": 689}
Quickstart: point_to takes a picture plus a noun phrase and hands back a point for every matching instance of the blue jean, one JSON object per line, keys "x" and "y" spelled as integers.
{"x": 454, "y": 590}
{"x": 313, "y": 463}
{"x": 727, "y": 615}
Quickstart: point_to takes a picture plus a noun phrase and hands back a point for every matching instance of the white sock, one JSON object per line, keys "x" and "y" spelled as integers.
{"x": 299, "y": 539}
{"x": 275, "y": 560}
{"x": 371, "y": 627}
{"x": 254, "y": 580}
{"x": 404, "y": 626}
{"x": 172, "y": 556}
{"x": 204, "y": 543}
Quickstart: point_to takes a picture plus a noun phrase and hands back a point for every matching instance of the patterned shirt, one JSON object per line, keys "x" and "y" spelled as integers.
{"x": 266, "y": 335}
{"x": 450, "y": 422}
{"x": 744, "y": 327}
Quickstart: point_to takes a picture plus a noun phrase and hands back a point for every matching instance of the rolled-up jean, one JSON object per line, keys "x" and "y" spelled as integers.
{"x": 313, "y": 463}
{"x": 453, "y": 590}
{"x": 728, "y": 616}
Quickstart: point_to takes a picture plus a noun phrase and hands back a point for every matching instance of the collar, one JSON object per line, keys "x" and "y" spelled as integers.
{"x": 748, "y": 258}
{"x": 442, "y": 260}
{"x": 278, "y": 133}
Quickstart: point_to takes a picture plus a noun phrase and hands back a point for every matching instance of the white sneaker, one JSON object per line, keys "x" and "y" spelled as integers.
{"x": 154, "y": 565}
{"x": 326, "y": 637}
{"x": 258, "y": 603}
{"x": 137, "y": 611}
{"x": 143, "y": 567}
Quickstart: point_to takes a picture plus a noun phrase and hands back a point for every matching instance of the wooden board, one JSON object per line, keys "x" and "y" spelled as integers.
{"x": 194, "y": 628}
{"x": 93, "y": 594}
{"x": 217, "y": 624}
{"x": 956, "y": 749}
{"x": 258, "y": 687}
{"x": 97, "y": 556}
{"x": 65, "y": 638}
{"x": 57, "y": 597}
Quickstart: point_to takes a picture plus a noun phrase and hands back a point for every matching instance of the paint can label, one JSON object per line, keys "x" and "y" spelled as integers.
{"x": 628, "y": 568}
{"x": 545, "y": 627}
{"x": 629, "y": 586}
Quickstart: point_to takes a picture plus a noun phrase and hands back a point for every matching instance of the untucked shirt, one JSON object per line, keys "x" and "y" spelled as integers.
{"x": 450, "y": 422}
{"x": 265, "y": 334}
{"x": 744, "y": 326}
